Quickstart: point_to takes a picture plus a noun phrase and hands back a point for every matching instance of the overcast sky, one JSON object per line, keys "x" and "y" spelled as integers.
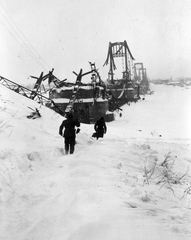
{"x": 38, "y": 35}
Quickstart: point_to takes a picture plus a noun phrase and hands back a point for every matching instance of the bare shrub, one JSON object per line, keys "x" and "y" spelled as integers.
{"x": 187, "y": 191}
{"x": 163, "y": 174}
{"x": 4, "y": 125}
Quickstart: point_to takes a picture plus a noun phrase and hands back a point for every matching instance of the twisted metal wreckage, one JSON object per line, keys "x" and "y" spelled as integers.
{"x": 133, "y": 81}
{"x": 88, "y": 102}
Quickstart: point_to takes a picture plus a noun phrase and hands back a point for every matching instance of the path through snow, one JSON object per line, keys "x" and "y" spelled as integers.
{"x": 101, "y": 191}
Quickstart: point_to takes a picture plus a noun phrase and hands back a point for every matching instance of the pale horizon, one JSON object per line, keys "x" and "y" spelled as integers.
{"x": 65, "y": 35}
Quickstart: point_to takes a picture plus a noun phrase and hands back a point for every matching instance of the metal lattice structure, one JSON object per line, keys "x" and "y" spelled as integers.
{"x": 119, "y": 49}
{"x": 31, "y": 94}
{"x": 72, "y": 100}
{"x": 140, "y": 74}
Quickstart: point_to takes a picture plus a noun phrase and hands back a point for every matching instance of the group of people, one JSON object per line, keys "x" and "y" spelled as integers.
{"x": 69, "y": 125}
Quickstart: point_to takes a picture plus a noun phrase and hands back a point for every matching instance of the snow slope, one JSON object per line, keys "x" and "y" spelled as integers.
{"x": 116, "y": 188}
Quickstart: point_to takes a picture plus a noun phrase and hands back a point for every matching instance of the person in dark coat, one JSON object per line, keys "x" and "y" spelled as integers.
{"x": 100, "y": 128}
{"x": 69, "y": 132}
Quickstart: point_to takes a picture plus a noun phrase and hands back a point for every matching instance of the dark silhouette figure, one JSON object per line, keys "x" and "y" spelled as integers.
{"x": 69, "y": 133}
{"x": 100, "y": 128}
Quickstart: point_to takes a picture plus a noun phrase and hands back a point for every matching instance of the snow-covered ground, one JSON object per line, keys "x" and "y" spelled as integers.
{"x": 133, "y": 184}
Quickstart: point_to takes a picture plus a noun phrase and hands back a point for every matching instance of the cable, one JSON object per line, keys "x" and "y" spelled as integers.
{"x": 23, "y": 46}
{"x": 25, "y": 37}
{"x": 26, "y": 47}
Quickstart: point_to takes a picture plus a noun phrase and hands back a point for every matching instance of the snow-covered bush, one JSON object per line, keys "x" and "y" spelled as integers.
{"x": 164, "y": 173}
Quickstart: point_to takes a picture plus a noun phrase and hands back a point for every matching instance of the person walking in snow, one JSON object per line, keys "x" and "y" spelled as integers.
{"x": 69, "y": 132}
{"x": 100, "y": 128}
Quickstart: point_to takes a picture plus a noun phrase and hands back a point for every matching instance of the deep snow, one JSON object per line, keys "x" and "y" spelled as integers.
{"x": 116, "y": 188}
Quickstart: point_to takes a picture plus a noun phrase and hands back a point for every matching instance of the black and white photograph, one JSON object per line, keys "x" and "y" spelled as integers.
{"x": 95, "y": 120}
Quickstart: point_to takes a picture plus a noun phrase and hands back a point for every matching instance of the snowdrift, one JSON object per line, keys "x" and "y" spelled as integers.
{"x": 132, "y": 184}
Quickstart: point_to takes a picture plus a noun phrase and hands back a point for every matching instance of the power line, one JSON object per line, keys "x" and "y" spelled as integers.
{"x": 23, "y": 46}
{"x": 26, "y": 47}
{"x": 25, "y": 37}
